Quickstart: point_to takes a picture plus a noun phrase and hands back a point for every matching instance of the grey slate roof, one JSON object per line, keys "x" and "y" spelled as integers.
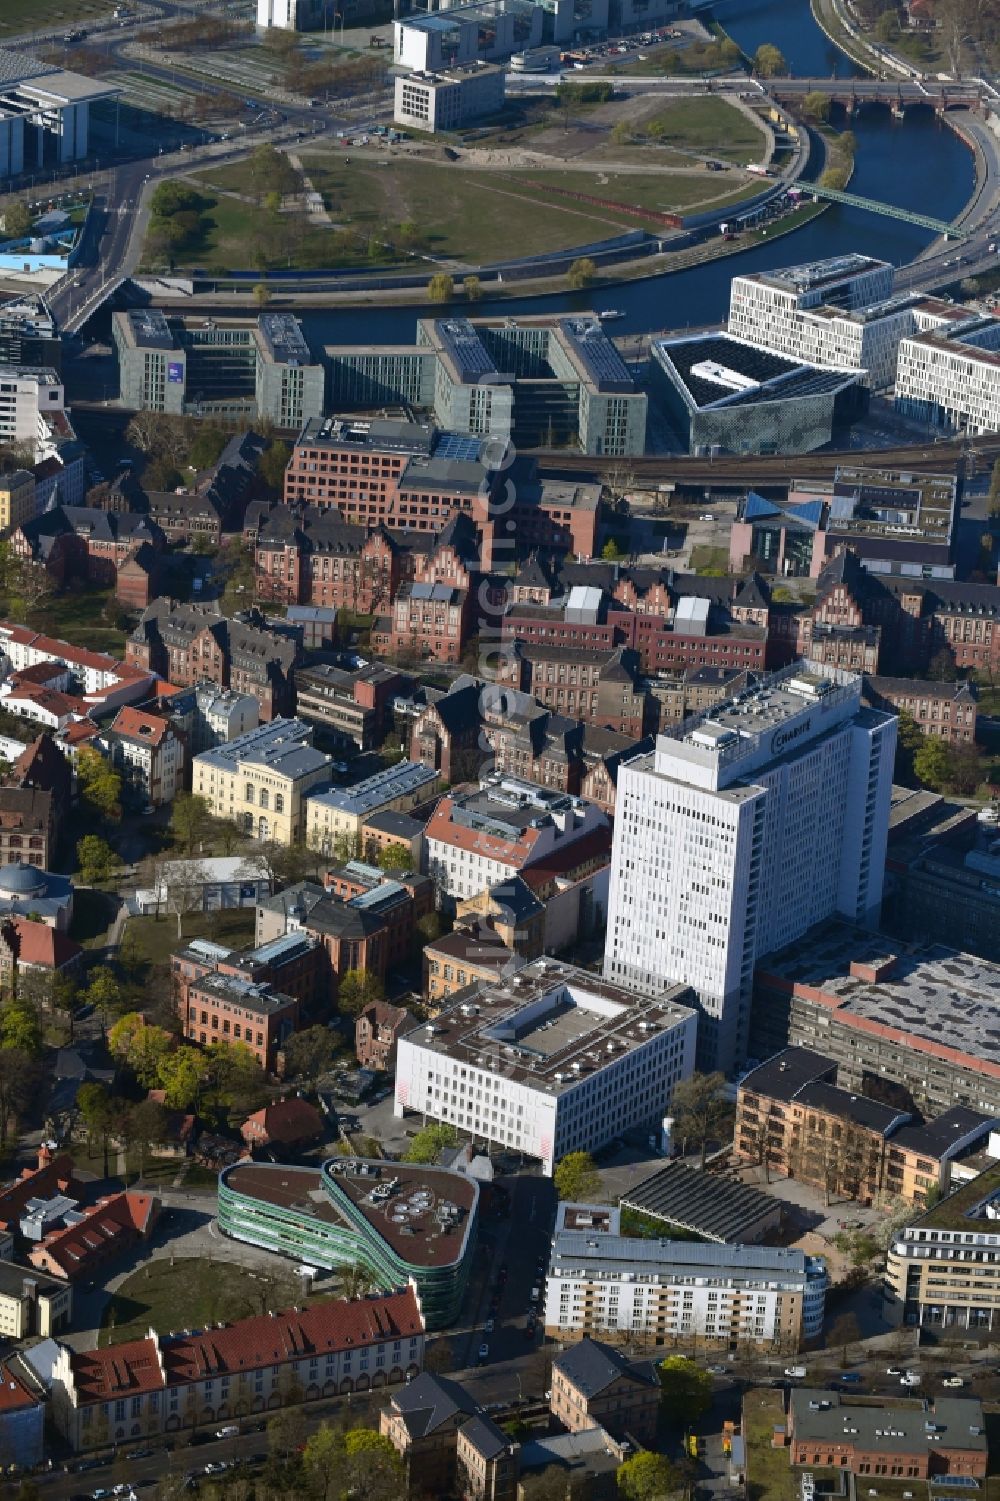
{"x": 429, "y": 1401}
{"x": 484, "y": 1436}
{"x": 592, "y": 1366}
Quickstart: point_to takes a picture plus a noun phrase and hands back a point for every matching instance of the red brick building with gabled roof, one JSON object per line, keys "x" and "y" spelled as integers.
{"x": 101, "y": 1234}
{"x": 285, "y": 1123}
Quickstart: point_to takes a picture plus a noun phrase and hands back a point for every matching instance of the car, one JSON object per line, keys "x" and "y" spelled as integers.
{"x": 850, "y": 1378}
{"x": 953, "y": 1381}
{"x": 484, "y": 1352}
{"x": 893, "y": 1370}
{"x": 718, "y": 1370}
{"x": 216, "y": 1467}
{"x": 148, "y": 810}
{"x": 230, "y": 1431}
{"x": 706, "y": 516}
{"x": 139, "y": 1453}
{"x": 489, "y": 1326}
{"x": 909, "y": 1378}
{"x": 795, "y": 1372}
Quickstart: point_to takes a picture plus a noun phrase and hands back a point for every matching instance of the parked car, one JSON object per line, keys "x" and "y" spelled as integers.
{"x": 909, "y": 1378}
{"x": 489, "y": 1326}
{"x": 953, "y": 1381}
{"x": 484, "y": 1353}
{"x": 795, "y": 1372}
{"x": 850, "y": 1378}
{"x": 893, "y": 1370}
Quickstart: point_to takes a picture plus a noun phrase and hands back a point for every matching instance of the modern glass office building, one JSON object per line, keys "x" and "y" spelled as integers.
{"x": 399, "y": 1221}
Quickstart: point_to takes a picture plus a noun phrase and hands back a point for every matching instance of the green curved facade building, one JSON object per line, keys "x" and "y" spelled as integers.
{"x": 399, "y": 1221}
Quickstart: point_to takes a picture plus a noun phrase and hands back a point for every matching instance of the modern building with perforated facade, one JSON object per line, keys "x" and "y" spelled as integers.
{"x": 747, "y": 825}
{"x": 724, "y": 393}
{"x": 402, "y": 1223}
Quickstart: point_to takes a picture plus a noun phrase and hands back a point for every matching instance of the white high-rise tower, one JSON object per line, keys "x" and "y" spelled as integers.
{"x": 762, "y": 817}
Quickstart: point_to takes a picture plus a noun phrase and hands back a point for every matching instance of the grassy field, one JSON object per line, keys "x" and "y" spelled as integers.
{"x": 151, "y": 940}
{"x": 78, "y": 616}
{"x": 189, "y": 1294}
{"x": 705, "y": 559}
{"x": 92, "y": 914}
{"x": 20, "y": 16}
{"x": 707, "y": 125}
{"x": 474, "y": 216}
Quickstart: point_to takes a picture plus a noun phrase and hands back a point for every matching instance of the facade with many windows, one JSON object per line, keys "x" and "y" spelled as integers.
{"x": 259, "y": 780}
{"x": 401, "y": 1223}
{"x": 554, "y": 1061}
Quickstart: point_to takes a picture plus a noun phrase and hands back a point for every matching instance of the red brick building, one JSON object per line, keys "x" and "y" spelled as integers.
{"x": 376, "y": 1032}
{"x": 906, "y": 1441}
{"x": 222, "y": 1008}
{"x": 303, "y": 559}
{"x": 602, "y": 690}
{"x": 191, "y": 644}
{"x": 108, "y": 1229}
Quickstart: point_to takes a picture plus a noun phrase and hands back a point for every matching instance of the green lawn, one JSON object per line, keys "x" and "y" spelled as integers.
{"x": 17, "y": 16}
{"x": 705, "y": 559}
{"x": 80, "y": 616}
{"x": 475, "y": 216}
{"x": 190, "y": 1294}
{"x": 152, "y": 940}
{"x": 709, "y": 125}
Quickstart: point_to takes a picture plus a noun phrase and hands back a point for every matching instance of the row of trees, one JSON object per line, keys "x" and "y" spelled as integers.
{"x": 936, "y": 763}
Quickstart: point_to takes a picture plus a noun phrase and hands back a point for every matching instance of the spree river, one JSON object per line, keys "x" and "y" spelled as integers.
{"x": 915, "y": 163}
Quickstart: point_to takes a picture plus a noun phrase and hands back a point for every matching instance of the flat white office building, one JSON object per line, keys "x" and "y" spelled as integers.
{"x": 755, "y": 820}
{"x": 448, "y": 100}
{"x": 552, "y": 1061}
{"x": 838, "y": 312}
{"x": 670, "y": 1290}
{"x": 951, "y": 378}
{"x": 27, "y": 398}
{"x": 290, "y": 15}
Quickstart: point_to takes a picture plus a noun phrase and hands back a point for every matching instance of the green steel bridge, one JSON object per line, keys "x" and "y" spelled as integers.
{"x": 854, "y": 200}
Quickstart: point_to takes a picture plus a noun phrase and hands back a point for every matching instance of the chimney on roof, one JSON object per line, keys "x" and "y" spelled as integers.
{"x": 873, "y": 970}
{"x": 44, "y": 1155}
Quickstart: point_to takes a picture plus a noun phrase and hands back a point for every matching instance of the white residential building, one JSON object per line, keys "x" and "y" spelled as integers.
{"x": 556, "y": 1061}
{"x": 150, "y": 755}
{"x": 838, "y": 312}
{"x": 951, "y": 378}
{"x": 27, "y": 397}
{"x": 669, "y": 1290}
{"x": 764, "y": 815}
{"x": 291, "y": 15}
{"x": 473, "y": 840}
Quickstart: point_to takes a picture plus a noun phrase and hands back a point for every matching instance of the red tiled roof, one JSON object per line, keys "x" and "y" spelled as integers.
{"x": 269, "y": 1339}
{"x": 35, "y": 1183}
{"x": 136, "y": 724}
{"x": 487, "y": 846}
{"x": 83, "y": 729}
{"x": 69, "y": 1252}
{"x": 564, "y": 860}
{"x": 15, "y": 1393}
{"x": 40, "y": 672}
{"x": 41, "y": 945}
{"x": 286, "y": 1120}
{"x": 50, "y": 699}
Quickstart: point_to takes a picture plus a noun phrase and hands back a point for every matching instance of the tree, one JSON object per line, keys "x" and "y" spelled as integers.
{"x": 97, "y": 1111}
{"x": 373, "y": 1471}
{"x": 441, "y": 287}
{"x": 685, "y": 1390}
{"x": 273, "y": 463}
{"x": 21, "y": 1026}
{"x": 309, "y": 1053}
{"x": 186, "y": 890}
{"x": 96, "y": 859}
{"x": 429, "y": 927}
{"x": 581, "y": 273}
{"x": 967, "y": 769}
{"x": 611, "y": 552}
{"x": 699, "y": 1107}
{"x": 439, "y": 1356}
{"x": 190, "y": 820}
{"x": 18, "y": 1081}
{"x": 144, "y": 1126}
{"x": 395, "y": 857}
{"x": 206, "y": 447}
{"x": 262, "y": 294}
{"x": 324, "y": 1461}
{"x": 104, "y": 993}
{"x": 99, "y": 785}
{"x": 428, "y": 1143}
{"x": 844, "y": 1332}
{"x": 237, "y": 1075}
{"x": 576, "y": 1177}
{"x": 817, "y": 106}
{"x": 932, "y": 763}
{"x": 622, "y": 134}
{"x": 647, "y": 1477}
{"x": 17, "y": 219}
{"x": 357, "y": 989}
{"x": 836, "y": 177}
{"x": 140, "y": 1046}
{"x": 180, "y": 1078}
{"x": 768, "y": 61}
{"x": 472, "y": 288}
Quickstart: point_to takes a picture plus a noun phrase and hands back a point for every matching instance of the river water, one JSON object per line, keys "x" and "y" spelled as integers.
{"x": 914, "y": 163}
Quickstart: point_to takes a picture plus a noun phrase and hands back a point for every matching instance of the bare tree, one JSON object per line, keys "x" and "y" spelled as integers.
{"x": 186, "y": 890}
